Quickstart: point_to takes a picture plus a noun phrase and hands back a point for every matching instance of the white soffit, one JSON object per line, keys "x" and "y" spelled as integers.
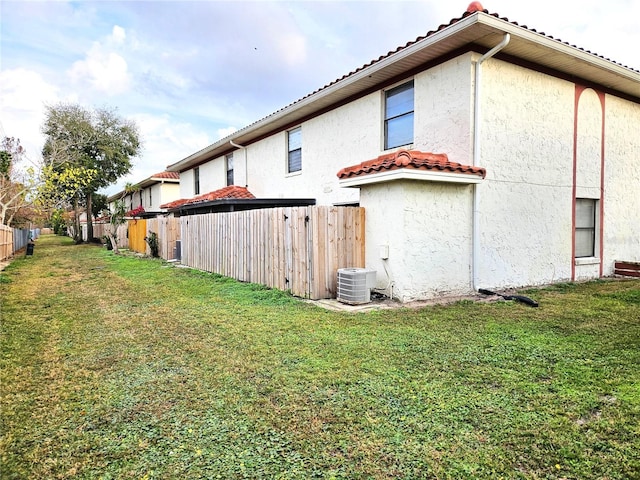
{"x": 410, "y": 174}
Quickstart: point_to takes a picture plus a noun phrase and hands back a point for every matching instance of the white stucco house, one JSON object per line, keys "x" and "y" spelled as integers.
{"x": 486, "y": 154}
{"x": 150, "y": 194}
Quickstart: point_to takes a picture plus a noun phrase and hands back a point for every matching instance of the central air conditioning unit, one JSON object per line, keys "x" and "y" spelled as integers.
{"x": 355, "y": 284}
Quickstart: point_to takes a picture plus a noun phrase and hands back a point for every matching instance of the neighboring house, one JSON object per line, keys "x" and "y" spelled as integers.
{"x": 486, "y": 155}
{"x": 150, "y": 194}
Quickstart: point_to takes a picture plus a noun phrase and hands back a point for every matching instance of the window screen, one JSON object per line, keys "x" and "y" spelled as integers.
{"x": 294, "y": 163}
{"x": 398, "y": 117}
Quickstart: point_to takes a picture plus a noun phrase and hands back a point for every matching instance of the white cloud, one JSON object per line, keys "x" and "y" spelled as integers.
{"x": 165, "y": 141}
{"x": 118, "y": 35}
{"x": 24, "y": 94}
{"x": 104, "y": 69}
{"x": 225, "y": 132}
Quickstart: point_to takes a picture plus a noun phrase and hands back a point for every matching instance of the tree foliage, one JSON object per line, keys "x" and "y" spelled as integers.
{"x": 16, "y": 184}
{"x": 100, "y": 205}
{"x": 85, "y": 150}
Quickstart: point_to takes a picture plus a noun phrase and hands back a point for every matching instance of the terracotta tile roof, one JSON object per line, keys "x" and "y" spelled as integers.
{"x": 410, "y": 159}
{"x": 172, "y": 175}
{"x": 232, "y": 191}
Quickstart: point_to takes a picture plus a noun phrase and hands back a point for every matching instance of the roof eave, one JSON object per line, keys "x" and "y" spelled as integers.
{"x": 411, "y": 174}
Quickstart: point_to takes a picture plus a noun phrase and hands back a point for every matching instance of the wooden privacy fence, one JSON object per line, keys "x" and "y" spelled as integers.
{"x": 168, "y": 231}
{"x": 13, "y": 239}
{"x": 122, "y": 236}
{"x": 6, "y": 242}
{"x": 291, "y": 248}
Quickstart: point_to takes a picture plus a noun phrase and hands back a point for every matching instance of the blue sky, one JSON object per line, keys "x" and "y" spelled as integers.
{"x": 191, "y": 72}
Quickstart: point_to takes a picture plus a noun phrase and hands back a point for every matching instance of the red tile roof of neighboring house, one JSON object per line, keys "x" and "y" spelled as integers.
{"x": 135, "y": 212}
{"x": 410, "y": 159}
{"x": 232, "y": 191}
{"x": 173, "y": 175}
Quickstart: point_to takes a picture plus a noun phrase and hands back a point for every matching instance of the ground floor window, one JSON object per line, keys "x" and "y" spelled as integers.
{"x": 585, "y": 235}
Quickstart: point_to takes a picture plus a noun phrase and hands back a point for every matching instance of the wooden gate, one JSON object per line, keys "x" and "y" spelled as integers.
{"x": 137, "y": 233}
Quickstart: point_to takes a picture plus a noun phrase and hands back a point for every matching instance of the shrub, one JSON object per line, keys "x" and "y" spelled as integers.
{"x": 152, "y": 241}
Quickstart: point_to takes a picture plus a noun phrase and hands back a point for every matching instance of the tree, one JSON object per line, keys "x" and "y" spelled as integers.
{"x": 64, "y": 188}
{"x": 87, "y": 150}
{"x": 99, "y": 205}
{"x": 15, "y": 184}
{"x": 118, "y": 216}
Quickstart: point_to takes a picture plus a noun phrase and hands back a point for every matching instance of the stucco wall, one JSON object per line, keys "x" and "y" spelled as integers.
{"x": 348, "y": 135}
{"x": 621, "y": 229}
{"x": 167, "y": 192}
{"x": 525, "y": 202}
{"x": 534, "y": 127}
{"x": 443, "y": 115}
{"x": 427, "y": 228}
{"x": 212, "y": 176}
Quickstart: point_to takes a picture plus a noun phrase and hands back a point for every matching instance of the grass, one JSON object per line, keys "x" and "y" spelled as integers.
{"x": 121, "y": 367}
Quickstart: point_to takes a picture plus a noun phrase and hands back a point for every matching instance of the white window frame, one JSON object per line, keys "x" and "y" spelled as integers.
{"x": 587, "y": 225}
{"x": 294, "y": 149}
{"x": 196, "y": 181}
{"x": 395, "y": 117}
{"x": 228, "y": 161}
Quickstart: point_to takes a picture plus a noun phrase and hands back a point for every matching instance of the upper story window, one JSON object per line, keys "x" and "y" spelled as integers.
{"x": 196, "y": 180}
{"x": 294, "y": 146}
{"x": 398, "y": 116}
{"x": 150, "y": 197}
{"x": 585, "y": 236}
{"x": 229, "y": 162}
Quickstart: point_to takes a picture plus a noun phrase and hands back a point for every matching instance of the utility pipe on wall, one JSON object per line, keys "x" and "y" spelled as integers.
{"x": 246, "y": 163}
{"x": 475, "y": 247}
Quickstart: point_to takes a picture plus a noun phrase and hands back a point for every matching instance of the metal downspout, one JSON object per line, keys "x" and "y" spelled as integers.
{"x": 475, "y": 248}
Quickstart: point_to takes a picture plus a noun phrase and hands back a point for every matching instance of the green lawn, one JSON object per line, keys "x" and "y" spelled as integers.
{"x": 121, "y": 367}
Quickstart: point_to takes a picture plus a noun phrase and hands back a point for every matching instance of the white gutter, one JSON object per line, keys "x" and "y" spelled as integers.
{"x": 246, "y": 162}
{"x": 475, "y": 247}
